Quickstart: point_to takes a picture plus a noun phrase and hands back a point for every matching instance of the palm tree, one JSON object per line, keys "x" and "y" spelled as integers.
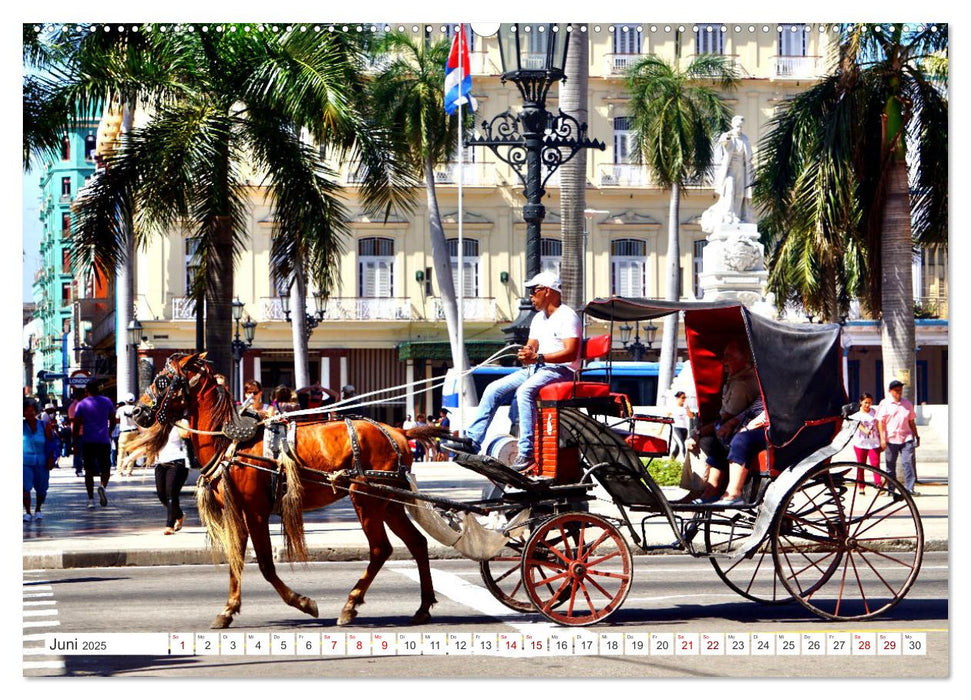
{"x": 573, "y": 101}
{"x": 854, "y": 172}
{"x": 675, "y": 116}
{"x": 220, "y": 104}
{"x": 408, "y": 93}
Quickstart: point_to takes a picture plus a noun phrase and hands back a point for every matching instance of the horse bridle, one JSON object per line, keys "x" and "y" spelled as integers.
{"x": 168, "y": 381}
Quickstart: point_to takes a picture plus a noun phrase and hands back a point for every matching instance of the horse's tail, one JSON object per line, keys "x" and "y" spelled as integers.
{"x": 224, "y": 525}
{"x": 291, "y": 510}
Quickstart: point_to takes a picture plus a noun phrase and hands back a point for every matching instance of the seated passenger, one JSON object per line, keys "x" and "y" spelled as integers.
{"x": 552, "y": 354}
{"x": 747, "y": 442}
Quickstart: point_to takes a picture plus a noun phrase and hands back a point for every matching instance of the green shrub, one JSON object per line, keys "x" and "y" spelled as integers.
{"x": 666, "y": 472}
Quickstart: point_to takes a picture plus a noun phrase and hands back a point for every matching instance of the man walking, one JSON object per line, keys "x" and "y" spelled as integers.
{"x": 127, "y": 431}
{"x": 94, "y": 420}
{"x": 897, "y": 423}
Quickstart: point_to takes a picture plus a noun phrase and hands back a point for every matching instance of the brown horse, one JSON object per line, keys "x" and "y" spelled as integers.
{"x": 236, "y": 501}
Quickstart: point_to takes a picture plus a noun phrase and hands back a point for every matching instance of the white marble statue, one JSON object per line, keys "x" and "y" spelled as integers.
{"x": 733, "y": 181}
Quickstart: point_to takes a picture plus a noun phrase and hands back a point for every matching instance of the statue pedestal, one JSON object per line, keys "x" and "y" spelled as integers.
{"x": 733, "y": 267}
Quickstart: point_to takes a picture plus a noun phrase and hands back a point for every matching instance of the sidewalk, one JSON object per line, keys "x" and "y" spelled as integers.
{"x": 128, "y": 532}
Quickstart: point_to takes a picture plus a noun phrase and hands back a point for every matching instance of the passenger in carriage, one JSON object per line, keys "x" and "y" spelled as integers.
{"x": 740, "y": 389}
{"x": 552, "y": 354}
{"x": 745, "y": 444}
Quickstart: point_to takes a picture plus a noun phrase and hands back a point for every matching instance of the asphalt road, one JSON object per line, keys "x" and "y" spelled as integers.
{"x": 670, "y": 594}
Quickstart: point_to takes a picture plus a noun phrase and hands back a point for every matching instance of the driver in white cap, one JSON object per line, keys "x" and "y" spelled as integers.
{"x": 552, "y": 354}
{"x": 127, "y": 431}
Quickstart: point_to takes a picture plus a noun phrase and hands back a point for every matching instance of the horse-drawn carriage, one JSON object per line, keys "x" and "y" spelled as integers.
{"x": 553, "y": 541}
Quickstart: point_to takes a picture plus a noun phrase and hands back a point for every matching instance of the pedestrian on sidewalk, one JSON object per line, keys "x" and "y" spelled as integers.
{"x": 38, "y": 450}
{"x": 682, "y": 416}
{"x": 897, "y": 423}
{"x": 127, "y": 431}
{"x": 171, "y": 472}
{"x": 866, "y": 441}
{"x": 75, "y": 432}
{"x": 94, "y": 419}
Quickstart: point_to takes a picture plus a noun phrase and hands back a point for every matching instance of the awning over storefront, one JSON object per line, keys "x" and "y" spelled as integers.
{"x": 478, "y": 350}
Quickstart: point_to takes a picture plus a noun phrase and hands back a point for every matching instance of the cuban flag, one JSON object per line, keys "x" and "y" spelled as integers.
{"x": 458, "y": 78}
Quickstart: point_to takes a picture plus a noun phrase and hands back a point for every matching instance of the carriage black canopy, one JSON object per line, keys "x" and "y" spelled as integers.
{"x": 799, "y": 366}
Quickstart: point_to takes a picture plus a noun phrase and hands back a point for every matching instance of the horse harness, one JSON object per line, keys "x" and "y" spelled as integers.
{"x": 245, "y": 428}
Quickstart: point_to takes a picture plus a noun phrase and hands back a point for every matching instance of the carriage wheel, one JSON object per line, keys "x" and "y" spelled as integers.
{"x": 577, "y": 569}
{"x": 842, "y": 554}
{"x": 503, "y": 576}
{"x": 753, "y": 576}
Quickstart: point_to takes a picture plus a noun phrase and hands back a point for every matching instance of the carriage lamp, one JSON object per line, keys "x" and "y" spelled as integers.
{"x": 533, "y": 142}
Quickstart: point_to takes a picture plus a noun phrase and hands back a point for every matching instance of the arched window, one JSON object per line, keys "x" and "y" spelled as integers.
{"x": 709, "y": 38}
{"x": 470, "y": 265}
{"x": 628, "y": 267}
{"x": 375, "y": 266}
{"x": 90, "y": 146}
{"x": 66, "y": 147}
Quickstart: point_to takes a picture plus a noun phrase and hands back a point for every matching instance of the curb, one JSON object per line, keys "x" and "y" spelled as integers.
{"x": 175, "y": 557}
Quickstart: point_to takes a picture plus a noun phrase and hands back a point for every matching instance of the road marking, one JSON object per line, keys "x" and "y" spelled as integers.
{"x": 39, "y": 613}
{"x": 31, "y": 586}
{"x": 56, "y": 664}
{"x": 37, "y": 595}
{"x": 36, "y": 603}
{"x": 478, "y": 598}
{"x": 45, "y": 623}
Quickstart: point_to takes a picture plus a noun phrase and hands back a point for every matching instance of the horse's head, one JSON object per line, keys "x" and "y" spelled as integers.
{"x": 167, "y": 398}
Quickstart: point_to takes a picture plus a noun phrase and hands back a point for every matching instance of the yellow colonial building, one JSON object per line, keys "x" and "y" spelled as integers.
{"x": 384, "y": 326}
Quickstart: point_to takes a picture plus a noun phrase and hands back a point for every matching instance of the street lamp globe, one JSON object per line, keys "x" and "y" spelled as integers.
{"x": 249, "y": 330}
{"x": 533, "y": 47}
{"x": 237, "y": 309}
{"x": 134, "y": 332}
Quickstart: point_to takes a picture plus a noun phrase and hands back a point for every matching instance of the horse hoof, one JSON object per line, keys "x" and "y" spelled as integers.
{"x": 221, "y": 622}
{"x": 346, "y": 618}
{"x": 310, "y": 607}
{"x": 421, "y": 617}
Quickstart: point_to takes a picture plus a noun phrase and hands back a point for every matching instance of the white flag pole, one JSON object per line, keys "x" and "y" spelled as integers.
{"x": 460, "y": 301}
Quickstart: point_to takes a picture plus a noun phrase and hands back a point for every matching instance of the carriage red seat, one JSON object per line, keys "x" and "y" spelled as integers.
{"x": 593, "y": 348}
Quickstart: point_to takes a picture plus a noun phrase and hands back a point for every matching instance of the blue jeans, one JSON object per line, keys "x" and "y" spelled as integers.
{"x": 524, "y": 385}
{"x": 906, "y": 453}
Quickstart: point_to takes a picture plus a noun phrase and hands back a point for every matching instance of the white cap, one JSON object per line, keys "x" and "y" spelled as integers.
{"x": 548, "y": 279}
{"x": 130, "y": 398}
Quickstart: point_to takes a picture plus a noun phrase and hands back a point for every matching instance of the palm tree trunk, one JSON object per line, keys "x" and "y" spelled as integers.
{"x": 573, "y": 101}
{"x": 669, "y": 336}
{"x": 126, "y": 377}
{"x": 298, "y": 324}
{"x": 897, "y": 294}
{"x": 219, "y": 299}
{"x": 443, "y": 270}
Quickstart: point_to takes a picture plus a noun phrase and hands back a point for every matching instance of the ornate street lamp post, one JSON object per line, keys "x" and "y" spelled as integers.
{"x": 312, "y": 320}
{"x": 637, "y": 349}
{"x": 240, "y": 346}
{"x": 533, "y": 57}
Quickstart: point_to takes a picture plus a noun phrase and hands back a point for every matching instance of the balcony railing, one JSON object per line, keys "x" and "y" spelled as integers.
{"x": 623, "y": 175}
{"x": 618, "y": 63}
{"x": 473, "y": 309}
{"x": 347, "y": 309}
{"x": 796, "y": 66}
{"x": 183, "y": 309}
{"x": 934, "y": 306}
{"x": 472, "y": 174}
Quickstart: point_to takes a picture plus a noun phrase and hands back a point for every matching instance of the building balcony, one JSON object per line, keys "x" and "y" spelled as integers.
{"x": 618, "y": 63}
{"x": 623, "y": 175}
{"x": 347, "y": 309}
{"x": 934, "y": 306}
{"x": 796, "y": 67}
{"x": 473, "y": 309}
{"x": 472, "y": 174}
{"x": 183, "y": 309}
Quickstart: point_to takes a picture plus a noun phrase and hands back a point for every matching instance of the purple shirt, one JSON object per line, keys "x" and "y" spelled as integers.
{"x": 95, "y": 413}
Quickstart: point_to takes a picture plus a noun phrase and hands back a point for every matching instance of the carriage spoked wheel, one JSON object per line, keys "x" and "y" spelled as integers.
{"x": 843, "y": 554}
{"x": 753, "y": 576}
{"x": 577, "y": 568}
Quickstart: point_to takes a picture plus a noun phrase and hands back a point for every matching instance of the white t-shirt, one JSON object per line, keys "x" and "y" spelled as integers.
{"x": 680, "y": 415}
{"x": 868, "y": 423}
{"x": 123, "y": 416}
{"x": 551, "y": 331}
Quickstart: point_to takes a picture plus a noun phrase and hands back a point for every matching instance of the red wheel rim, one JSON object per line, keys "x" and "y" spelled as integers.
{"x": 577, "y": 569}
